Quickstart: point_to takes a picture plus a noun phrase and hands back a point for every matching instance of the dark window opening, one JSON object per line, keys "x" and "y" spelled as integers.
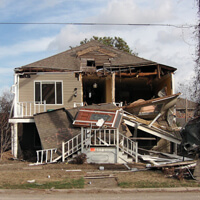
{"x": 37, "y": 92}
{"x": 94, "y": 91}
{"x": 59, "y": 93}
{"x": 48, "y": 93}
{"x": 51, "y": 92}
{"x": 90, "y": 63}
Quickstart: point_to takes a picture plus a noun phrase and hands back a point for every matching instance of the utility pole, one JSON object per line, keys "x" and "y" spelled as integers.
{"x": 197, "y": 69}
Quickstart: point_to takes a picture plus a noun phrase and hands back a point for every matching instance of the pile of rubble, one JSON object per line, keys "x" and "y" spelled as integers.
{"x": 149, "y": 124}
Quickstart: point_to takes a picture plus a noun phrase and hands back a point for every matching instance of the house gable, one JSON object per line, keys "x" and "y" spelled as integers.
{"x": 98, "y": 50}
{"x": 71, "y": 60}
{"x": 95, "y": 59}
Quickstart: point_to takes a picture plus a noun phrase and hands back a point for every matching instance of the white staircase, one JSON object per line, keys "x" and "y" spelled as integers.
{"x": 101, "y": 139}
{"x": 100, "y": 142}
{"x": 45, "y": 156}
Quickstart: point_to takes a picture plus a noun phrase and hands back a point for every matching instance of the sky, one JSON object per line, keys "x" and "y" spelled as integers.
{"x": 21, "y": 44}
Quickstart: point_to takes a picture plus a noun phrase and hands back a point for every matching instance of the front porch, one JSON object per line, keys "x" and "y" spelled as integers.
{"x": 28, "y": 109}
{"x": 99, "y": 146}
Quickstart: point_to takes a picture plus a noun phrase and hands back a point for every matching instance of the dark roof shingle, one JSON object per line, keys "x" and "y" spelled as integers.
{"x": 69, "y": 60}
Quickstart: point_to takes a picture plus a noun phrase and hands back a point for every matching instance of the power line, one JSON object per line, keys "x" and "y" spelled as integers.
{"x": 98, "y": 24}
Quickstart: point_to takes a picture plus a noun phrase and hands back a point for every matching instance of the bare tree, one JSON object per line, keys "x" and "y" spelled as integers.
{"x": 116, "y": 42}
{"x": 186, "y": 88}
{"x": 197, "y": 67}
{"x": 5, "y": 130}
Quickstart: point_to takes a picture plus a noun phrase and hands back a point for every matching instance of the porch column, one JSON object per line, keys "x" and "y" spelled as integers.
{"x": 15, "y": 92}
{"x": 82, "y": 139}
{"x": 81, "y": 82}
{"x": 14, "y": 139}
{"x": 113, "y": 87}
{"x": 117, "y": 153}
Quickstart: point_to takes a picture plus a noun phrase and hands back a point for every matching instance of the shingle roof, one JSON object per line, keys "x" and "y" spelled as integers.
{"x": 69, "y": 60}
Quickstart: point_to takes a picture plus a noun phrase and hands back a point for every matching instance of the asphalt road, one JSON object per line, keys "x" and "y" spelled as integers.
{"x": 48, "y": 195}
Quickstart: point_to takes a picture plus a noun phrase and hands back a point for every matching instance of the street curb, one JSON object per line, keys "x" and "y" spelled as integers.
{"x": 103, "y": 190}
{"x": 132, "y": 190}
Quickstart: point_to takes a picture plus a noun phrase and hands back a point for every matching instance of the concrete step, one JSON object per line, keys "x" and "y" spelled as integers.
{"x": 123, "y": 157}
{"x": 76, "y": 154}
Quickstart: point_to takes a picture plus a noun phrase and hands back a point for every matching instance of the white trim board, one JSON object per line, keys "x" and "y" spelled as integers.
{"x": 14, "y": 121}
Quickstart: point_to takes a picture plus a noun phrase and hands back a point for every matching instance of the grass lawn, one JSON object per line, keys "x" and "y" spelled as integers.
{"x": 152, "y": 179}
{"x": 65, "y": 184}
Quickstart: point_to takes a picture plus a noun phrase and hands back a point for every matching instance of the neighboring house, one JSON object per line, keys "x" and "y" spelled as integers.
{"x": 185, "y": 110}
{"x": 88, "y": 74}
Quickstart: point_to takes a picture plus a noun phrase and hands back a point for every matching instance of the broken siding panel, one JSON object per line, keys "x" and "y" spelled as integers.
{"x": 69, "y": 81}
{"x": 98, "y": 57}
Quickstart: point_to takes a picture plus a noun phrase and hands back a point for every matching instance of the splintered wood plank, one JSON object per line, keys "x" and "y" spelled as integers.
{"x": 79, "y": 53}
{"x": 107, "y": 52}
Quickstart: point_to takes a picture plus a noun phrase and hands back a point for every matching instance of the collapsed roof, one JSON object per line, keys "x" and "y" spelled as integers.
{"x": 61, "y": 125}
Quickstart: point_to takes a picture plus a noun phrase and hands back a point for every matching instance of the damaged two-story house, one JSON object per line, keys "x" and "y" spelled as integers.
{"x": 92, "y": 73}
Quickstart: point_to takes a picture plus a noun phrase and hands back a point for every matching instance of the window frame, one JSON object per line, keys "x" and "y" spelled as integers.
{"x": 55, "y": 90}
{"x": 92, "y": 61}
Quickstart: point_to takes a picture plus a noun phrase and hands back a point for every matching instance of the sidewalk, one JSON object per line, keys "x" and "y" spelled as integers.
{"x": 101, "y": 190}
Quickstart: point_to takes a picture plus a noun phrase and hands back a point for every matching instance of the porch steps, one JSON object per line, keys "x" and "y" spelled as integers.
{"x": 101, "y": 139}
{"x": 106, "y": 143}
{"x": 123, "y": 157}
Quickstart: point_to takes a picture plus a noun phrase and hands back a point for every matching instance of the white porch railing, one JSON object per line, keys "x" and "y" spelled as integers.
{"x": 128, "y": 146}
{"x": 45, "y": 155}
{"x": 99, "y": 137}
{"x": 71, "y": 146}
{"x": 27, "y": 109}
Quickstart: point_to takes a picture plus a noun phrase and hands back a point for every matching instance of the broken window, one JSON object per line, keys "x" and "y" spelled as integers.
{"x": 90, "y": 63}
{"x": 49, "y": 91}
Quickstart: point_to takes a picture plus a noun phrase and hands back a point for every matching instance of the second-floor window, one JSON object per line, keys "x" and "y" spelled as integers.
{"x": 49, "y": 91}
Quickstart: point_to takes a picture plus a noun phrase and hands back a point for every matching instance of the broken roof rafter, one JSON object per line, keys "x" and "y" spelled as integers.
{"x": 147, "y": 64}
{"x": 120, "y": 73}
{"x": 137, "y": 74}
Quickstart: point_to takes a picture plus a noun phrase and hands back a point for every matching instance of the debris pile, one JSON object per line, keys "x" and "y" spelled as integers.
{"x": 143, "y": 131}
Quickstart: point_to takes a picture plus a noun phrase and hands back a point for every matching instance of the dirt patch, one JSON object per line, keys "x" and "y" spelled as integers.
{"x": 19, "y": 172}
{"x": 16, "y": 172}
